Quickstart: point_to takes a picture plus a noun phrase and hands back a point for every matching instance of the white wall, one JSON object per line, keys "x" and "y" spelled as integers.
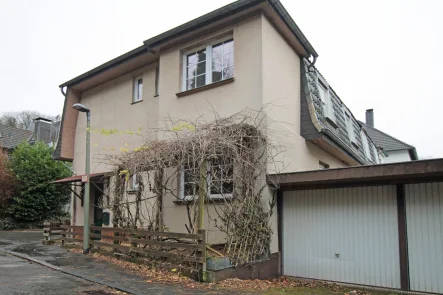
{"x": 397, "y": 156}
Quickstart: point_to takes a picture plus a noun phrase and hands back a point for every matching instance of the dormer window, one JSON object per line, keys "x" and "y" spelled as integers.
{"x": 366, "y": 146}
{"x": 350, "y": 129}
{"x": 328, "y": 107}
{"x": 210, "y": 64}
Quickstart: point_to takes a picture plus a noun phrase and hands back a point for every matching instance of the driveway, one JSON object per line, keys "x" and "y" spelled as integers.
{"x": 19, "y": 276}
{"x": 22, "y": 277}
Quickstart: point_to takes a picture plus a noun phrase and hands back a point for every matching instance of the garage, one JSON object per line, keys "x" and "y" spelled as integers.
{"x": 343, "y": 235}
{"x": 379, "y": 225}
{"x": 424, "y": 213}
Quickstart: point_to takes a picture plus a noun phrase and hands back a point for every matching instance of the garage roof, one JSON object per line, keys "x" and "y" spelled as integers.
{"x": 392, "y": 173}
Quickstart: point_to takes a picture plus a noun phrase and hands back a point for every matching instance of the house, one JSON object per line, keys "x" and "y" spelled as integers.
{"x": 251, "y": 54}
{"x": 395, "y": 149}
{"x": 40, "y": 129}
{"x": 11, "y": 137}
{"x": 45, "y": 130}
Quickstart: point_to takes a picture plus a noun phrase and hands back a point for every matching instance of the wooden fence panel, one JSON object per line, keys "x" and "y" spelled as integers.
{"x": 164, "y": 245}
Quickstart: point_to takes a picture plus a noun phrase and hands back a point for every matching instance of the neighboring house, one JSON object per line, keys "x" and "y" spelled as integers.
{"x": 11, "y": 137}
{"x": 40, "y": 129}
{"x": 45, "y": 130}
{"x": 248, "y": 54}
{"x": 395, "y": 150}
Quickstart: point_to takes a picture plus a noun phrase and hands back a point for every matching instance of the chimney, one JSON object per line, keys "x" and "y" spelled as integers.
{"x": 42, "y": 130}
{"x": 370, "y": 117}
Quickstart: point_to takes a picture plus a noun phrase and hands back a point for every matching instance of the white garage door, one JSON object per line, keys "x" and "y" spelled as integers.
{"x": 424, "y": 214}
{"x": 344, "y": 235}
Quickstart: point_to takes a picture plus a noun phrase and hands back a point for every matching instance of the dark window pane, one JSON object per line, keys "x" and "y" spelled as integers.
{"x": 201, "y": 55}
{"x": 201, "y": 68}
{"x": 201, "y": 80}
{"x": 215, "y": 188}
{"x": 216, "y": 76}
{"x": 228, "y": 187}
{"x": 188, "y": 190}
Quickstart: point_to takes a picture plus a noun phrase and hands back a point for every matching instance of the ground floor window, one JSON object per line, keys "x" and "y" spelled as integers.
{"x": 219, "y": 179}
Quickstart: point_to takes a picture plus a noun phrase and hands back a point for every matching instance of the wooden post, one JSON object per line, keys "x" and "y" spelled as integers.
{"x": 202, "y": 253}
{"x": 46, "y": 233}
{"x": 202, "y": 195}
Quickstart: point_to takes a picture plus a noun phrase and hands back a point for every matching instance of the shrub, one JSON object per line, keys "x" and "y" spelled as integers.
{"x": 8, "y": 183}
{"x": 38, "y": 198}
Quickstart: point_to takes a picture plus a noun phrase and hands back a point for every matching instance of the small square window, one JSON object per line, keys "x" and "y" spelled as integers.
{"x": 138, "y": 89}
{"x": 133, "y": 183}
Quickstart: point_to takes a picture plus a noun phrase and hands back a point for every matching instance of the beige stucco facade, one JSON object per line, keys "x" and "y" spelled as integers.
{"x": 266, "y": 75}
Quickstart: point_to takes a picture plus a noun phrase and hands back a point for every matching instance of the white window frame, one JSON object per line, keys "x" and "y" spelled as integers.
{"x": 378, "y": 158}
{"x": 350, "y": 126}
{"x": 137, "y": 93}
{"x": 208, "y": 69}
{"x": 208, "y": 186}
{"x": 366, "y": 145}
{"x": 133, "y": 183}
{"x": 328, "y": 106}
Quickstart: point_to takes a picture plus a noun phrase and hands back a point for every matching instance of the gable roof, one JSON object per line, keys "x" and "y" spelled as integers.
{"x": 10, "y": 137}
{"x": 388, "y": 142}
{"x": 207, "y": 19}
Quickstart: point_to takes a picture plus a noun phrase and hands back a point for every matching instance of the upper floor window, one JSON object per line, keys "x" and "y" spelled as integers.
{"x": 138, "y": 89}
{"x": 366, "y": 144}
{"x": 328, "y": 107}
{"x": 209, "y": 64}
{"x": 350, "y": 128}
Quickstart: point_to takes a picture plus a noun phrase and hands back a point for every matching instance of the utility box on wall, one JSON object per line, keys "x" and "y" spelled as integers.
{"x": 107, "y": 218}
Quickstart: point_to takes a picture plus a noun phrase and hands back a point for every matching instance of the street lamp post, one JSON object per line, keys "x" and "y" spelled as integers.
{"x": 86, "y": 233}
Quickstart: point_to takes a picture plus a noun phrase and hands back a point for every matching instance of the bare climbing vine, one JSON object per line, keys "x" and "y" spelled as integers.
{"x": 222, "y": 163}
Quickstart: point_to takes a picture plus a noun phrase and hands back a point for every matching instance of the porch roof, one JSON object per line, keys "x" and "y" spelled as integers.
{"x": 78, "y": 178}
{"x": 391, "y": 173}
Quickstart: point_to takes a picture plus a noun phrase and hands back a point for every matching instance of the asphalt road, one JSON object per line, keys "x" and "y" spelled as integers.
{"x": 18, "y": 276}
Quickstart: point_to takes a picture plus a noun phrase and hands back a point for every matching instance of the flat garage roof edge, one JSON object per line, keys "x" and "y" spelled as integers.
{"x": 404, "y": 172}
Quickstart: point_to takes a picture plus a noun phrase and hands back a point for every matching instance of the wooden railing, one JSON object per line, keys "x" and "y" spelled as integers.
{"x": 51, "y": 232}
{"x": 138, "y": 242}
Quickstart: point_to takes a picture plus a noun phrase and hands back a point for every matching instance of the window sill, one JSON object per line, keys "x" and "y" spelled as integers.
{"x": 206, "y": 87}
{"x": 213, "y": 200}
{"x": 136, "y": 102}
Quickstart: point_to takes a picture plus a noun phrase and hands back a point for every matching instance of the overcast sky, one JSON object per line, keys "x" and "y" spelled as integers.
{"x": 385, "y": 54}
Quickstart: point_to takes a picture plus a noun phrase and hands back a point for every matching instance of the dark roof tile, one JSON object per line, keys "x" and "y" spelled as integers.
{"x": 10, "y": 137}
